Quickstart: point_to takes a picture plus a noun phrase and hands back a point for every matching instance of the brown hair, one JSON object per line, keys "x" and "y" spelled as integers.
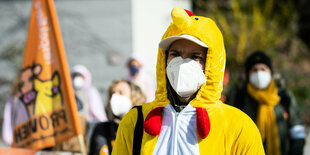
{"x": 137, "y": 97}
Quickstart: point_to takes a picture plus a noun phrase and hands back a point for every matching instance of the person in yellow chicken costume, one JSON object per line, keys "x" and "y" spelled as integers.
{"x": 187, "y": 116}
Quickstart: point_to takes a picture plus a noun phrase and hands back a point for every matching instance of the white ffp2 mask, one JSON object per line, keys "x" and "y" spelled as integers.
{"x": 78, "y": 82}
{"x": 260, "y": 79}
{"x": 185, "y": 76}
{"x": 120, "y": 104}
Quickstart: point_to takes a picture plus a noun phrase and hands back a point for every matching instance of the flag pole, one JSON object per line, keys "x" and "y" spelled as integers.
{"x": 52, "y": 10}
{"x": 82, "y": 144}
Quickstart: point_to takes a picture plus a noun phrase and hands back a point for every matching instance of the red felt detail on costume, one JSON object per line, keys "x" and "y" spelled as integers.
{"x": 203, "y": 122}
{"x": 189, "y": 13}
{"x": 152, "y": 123}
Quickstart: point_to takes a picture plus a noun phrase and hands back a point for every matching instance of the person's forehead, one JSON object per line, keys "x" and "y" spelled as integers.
{"x": 186, "y": 47}
{"x": 76, "y": 74}
{"x": 259, "y": 66}
{"x": 121, "y": 86}
{"x": 134, "y": 62}
{"x": 184, "y": 43}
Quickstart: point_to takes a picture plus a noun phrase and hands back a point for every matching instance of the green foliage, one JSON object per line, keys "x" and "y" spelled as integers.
{"x": 252, "y": 25}
{"x": 302, "y": 93}
{"x": 268, "y": 25}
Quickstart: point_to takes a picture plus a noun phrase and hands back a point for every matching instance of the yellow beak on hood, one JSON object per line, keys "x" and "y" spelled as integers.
{"x": 206, "y": 30}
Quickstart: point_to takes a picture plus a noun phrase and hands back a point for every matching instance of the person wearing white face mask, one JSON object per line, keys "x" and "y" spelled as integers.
{"x": 93, "y": 108}
{"x": 185, "y": 64}
{"x": 274, "y": 110}
{"x": 123, "y": 95}
{"x": 187, "y": 116}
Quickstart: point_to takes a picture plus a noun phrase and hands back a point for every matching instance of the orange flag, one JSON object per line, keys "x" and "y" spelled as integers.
{"x": 46, "y": 111}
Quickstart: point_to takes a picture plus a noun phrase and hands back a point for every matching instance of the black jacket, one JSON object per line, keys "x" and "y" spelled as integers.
{"x": 104, "y": 134}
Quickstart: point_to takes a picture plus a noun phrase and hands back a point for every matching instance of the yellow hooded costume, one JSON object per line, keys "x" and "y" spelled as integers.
{"x": 221, "y": 129}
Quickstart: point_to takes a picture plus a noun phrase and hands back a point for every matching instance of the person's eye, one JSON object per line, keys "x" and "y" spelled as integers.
{"x": 196, "y": 57}
{"x": 174, "y": 54}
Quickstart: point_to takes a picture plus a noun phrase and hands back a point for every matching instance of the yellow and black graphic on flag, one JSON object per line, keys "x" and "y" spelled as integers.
{"x": 44, "y": 105}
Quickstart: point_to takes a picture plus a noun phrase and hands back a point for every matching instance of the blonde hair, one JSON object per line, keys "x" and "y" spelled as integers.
{"x": 137, "y": 97}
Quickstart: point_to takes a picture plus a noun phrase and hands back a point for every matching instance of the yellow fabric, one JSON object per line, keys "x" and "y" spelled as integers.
{"x": 227, "y": 134}
{"x": 206, "y": 30}
{"x": 232, "y": 133}
{"x": 266, "y": 120}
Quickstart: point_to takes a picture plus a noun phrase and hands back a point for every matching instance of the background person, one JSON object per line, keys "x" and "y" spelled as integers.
{"x": 14, "y": 113}
{"x": 123, "y": 95}
{"x": 140, "y": 78}
{"x": 89, "y": 95}
{"x": 274, "y": 110}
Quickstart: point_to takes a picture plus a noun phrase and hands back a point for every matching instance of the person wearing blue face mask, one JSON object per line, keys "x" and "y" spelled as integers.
{"x": 134, "y": 69}
{"x": 138, "y": 76}
{"x": 272, "y": 109}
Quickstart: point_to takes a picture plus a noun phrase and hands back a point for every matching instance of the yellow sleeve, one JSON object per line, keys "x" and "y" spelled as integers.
{"x": 124, "y": 137}
{"x": 249, "y": 139}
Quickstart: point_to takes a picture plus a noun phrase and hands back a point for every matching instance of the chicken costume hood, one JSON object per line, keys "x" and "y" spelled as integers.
{"x": 218, "y": 125}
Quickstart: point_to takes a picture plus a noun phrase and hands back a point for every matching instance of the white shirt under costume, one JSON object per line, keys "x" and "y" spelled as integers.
{"x": 178, "y": 132}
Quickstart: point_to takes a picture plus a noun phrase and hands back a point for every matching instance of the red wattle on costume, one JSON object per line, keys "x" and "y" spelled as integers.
{"x": 202, "y": 122}
{"x": 152, "y": 123}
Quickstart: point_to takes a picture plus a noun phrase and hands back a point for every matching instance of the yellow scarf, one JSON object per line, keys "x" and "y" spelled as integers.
{"x": 266, "y": 120}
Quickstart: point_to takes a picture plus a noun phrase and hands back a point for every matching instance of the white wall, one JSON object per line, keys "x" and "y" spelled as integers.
{"x": 150, "y": 19}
